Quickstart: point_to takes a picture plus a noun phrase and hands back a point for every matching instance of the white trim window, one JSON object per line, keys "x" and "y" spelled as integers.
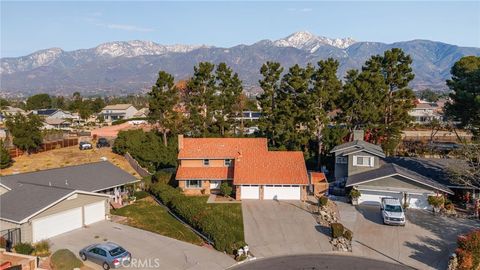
{"x": 363, "y": 161}
{"x": 206, "y": 162}
{"x": 193, "y": 184}
{"x": 227, "y": 162}
{"x": 341, "y": 160}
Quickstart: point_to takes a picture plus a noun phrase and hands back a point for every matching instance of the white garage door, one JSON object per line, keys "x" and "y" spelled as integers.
{"x": 250, "y": 192}
{"x": 56, "y": 224}
{"x": 94, "y": 212}
{"x": 281, "y": 192}
{"x": 375, "y": 197}
{"x": 418, "y": 201}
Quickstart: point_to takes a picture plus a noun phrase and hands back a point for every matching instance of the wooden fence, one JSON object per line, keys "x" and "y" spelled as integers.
{"x": 139, "y": 169}
{"x": 46, "y": 146}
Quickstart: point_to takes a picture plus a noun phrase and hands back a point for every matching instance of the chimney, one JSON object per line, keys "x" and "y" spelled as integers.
{"x": 358, "y": 135}
{"x": 180, "y": 142}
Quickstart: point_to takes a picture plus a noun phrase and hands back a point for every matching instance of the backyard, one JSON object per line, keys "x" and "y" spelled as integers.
{"x": 147, "y": 215}
{"x": 62, "y": 157}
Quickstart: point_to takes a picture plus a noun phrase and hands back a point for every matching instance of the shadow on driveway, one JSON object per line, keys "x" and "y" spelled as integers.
{"x": 371, "y": 213}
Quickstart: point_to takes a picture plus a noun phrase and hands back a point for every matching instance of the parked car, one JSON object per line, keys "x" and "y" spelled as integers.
{"x": 102, "y": 142}
{"x": 84, "y": 145}
{"x": 392, "y": 212}
{"x": 109, "y": 255}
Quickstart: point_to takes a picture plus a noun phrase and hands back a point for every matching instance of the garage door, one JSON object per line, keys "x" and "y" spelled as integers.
{"x": 94, "y": 212}
{"x": 56, "y": 224}
{"x": 375, "y": 197}
{"x": 250, "y": 192}
{"x": 418, "y": 201}
{"x": 281, "y": 192}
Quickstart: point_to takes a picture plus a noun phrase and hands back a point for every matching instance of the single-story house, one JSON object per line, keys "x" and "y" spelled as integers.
{"x": 245, "y": 164}
{"x": 47, "y": 203}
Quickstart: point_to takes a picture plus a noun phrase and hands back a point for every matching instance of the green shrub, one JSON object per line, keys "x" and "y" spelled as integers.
{"x": 24, "y": 248}
{"x": 216, "y": 221}
{"x": 162, "y": 177}
{"x": 140, "y": 194}
{"x": 226, "y": 189}
{"x": 64, "y": 259}
{"x": 348, "y": 234}
{"x": 468, "y": 250}
{"x": 322, "y": 201}
{"x": 337, "y": 229}
{"x": 436, "y": 201}
{"x": 42, "y": 248}
{"x": 354, "y": 194}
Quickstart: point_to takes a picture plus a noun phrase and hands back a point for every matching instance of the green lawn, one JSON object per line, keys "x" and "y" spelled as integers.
{"x": 146, "y": 214}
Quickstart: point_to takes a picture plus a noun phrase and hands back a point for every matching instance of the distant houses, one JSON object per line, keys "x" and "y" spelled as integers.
{"x": 425, "y": 112}
{"x": 116, "y": 112}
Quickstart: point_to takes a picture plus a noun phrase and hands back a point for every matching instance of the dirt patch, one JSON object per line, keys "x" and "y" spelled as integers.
{"x": 68, "y": 156}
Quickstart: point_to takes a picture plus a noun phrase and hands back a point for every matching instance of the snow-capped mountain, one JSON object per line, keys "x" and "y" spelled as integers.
{"x": 131, "y": 66}
{"x": 307, "y": 41}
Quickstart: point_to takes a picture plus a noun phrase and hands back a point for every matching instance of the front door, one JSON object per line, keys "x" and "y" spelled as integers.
{"x": 215, "y": 184}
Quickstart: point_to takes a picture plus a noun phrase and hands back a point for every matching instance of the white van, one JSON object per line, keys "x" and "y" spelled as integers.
{"x": 392, "y": 212}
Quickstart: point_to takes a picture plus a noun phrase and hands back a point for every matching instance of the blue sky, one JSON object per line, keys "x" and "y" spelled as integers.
{"x": 30, "y": 26}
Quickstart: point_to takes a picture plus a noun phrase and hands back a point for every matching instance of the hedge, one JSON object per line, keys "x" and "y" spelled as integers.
{"x": 222, "y": 223}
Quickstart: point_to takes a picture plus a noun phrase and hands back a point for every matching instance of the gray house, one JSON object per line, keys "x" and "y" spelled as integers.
{"x": 47, "y": 203}
{"x": 362, "y": 166}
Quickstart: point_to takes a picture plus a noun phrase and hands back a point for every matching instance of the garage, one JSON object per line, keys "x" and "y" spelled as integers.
{"x": 56, "y": 224}
{"x": 418, "y": 201}
{"x": 370, "y": 197}
{"x": 250, "y": 192}
{"x": 94, "y": 212}
{"x": 284, "y": 192}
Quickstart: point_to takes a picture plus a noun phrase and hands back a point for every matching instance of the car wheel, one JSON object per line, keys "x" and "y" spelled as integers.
{"x": 83, "y": 256}
{"x": 106, "y": 266}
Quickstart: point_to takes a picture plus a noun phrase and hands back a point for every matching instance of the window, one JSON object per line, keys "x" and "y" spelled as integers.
{"x": 341, "y": 160}
{"x": 228, "y": 162}
{"x": 206, "y": 162}
{"x": 193, "y": 184}
{"x": 362, "y": 161}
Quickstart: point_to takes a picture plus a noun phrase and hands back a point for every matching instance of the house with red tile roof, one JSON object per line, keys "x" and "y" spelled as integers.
{"x": 245, "y": 164}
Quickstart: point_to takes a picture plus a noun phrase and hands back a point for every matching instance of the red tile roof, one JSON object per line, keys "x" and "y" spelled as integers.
{"x": 317, "y": 177}
{"x": 199, "y": 148}
{"x": 204, "y": 173}
{"x": 253, "y": 163}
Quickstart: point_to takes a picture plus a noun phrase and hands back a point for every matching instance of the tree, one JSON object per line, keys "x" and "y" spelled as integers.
{"x": 4, "y": 103}
{"x": 228, "y": 91}
{"x": 25, "y": 131}
{"x": 39, "y": 101}
{"x": 59, "y": 102}
{"x": 201, "y": 99}
{"x": 325, "y": 93}
{"x": 5, "y": 159}
{"x": 97, "y": 105}
{"x": 428, "y": 95}
{"x": 270, "y": 85}
{"x": 467, "y": 170}
{"x": 162, "y": 100}
{"x": 465, "y": 104}
{"x": 226, "y": 189}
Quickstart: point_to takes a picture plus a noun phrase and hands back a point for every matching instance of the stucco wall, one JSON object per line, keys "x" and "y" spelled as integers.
{"x": 199, "y": 163}
{"x": 359, "y": 169}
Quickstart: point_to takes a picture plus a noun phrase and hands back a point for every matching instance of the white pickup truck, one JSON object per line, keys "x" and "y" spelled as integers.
{"x": 392, "y": 212}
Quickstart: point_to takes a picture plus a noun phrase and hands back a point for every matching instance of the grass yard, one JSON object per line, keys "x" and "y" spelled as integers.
{"x": 63, "y": 157}
{"x": 146, "y": 214}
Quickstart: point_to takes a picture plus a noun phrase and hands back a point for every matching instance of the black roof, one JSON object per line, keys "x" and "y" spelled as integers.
{"x": 393, "y": 169}
{"x": 46, "y": 112}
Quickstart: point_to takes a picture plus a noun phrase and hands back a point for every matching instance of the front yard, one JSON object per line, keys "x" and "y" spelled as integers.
{"x": 146, "y": 214}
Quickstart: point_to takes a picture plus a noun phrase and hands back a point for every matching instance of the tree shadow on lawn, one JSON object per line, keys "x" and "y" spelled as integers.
{"x": 435, "y": 252}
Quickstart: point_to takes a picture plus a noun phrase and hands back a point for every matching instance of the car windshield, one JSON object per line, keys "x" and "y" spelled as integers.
{"x": 393, "y": 208}
{"x": 116, "y": 251}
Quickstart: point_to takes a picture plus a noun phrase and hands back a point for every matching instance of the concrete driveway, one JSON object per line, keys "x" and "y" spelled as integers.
{"x": 145, "y": 246}
{"x": 275, "y": 228}
{"x": 426, "y": 241}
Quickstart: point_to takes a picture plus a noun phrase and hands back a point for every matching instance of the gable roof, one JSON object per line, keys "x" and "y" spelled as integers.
{"x": 117, "y": 107}
{"x": 211, "y": 148}
{"x": 390, "y": 169}
{"x": 356, "y": 146}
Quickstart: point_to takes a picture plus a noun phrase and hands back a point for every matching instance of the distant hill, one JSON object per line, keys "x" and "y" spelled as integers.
{"x": 116, "y": 68}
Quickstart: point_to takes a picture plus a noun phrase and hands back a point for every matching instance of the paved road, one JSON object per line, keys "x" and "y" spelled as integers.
{"x": 318, "y": 262}
{"x": 426, "y": 241}
{"x": 274, "y": 228}
{"x": 145, "y": 246}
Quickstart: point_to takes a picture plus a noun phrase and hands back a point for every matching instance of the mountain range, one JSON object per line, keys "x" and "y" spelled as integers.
{"x": 117, "y": 68}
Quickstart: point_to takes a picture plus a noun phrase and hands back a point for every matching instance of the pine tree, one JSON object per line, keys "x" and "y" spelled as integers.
{"x": 228, "y": 91}
{"x": 162, "y": 101}
{"x": 325, "y": 92}
{"x": 270, "y": 85}
{"x": 5, "y": 159}
{"x": 201, "y": 99}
